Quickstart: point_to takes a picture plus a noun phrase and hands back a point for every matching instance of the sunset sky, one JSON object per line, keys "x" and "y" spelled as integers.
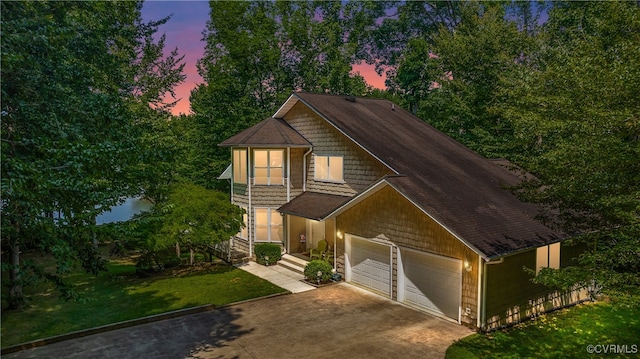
{"x": 184, "y": 31}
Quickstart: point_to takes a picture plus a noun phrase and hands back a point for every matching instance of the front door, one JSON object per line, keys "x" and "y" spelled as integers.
{"x": 315, "y": 230}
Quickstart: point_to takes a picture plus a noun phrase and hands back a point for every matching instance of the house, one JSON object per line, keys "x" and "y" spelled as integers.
{"x": 409, "y": 213}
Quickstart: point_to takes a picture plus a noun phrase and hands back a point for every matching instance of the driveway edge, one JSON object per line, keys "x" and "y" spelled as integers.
{"x": 126, "y": 324}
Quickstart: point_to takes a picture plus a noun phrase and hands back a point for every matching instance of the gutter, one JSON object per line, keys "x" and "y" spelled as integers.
{"x": 304, "y": 170}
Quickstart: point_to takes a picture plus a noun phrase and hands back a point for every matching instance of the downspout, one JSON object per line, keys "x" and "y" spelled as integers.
{"x": 480, "y": 312}
{"x": 249, "y": 209}
{"x": 288, "y": 174}
{"x": 335, "y": 241}
{"x": 232, "y": 171}
{"x": 304, "y": 170}
{"x": 483, "y": 310}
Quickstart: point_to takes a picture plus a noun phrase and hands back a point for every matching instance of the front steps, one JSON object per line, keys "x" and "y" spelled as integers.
{"x": 292, "y": 263}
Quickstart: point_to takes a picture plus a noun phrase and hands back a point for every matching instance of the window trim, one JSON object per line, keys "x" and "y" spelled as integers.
{"x": 270, "y": 211}
{"x": 244, "y": 232}
{"x": 328, "y": 171}
{"x": 243, "y": 160}
{"x": 548, "y": 257}
{"x": 269, "y": 167}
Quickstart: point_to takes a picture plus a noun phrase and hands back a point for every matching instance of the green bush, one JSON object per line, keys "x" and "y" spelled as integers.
{"x": 315, "y": 266}
{"x": 270, "y": 250}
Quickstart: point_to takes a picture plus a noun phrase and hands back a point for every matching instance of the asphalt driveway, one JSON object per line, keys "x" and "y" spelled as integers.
{"x": 338, "y": 321}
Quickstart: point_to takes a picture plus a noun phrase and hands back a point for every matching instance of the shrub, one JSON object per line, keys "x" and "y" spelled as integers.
{"x": 270, "y": 250}
{"x": 315, "y": 266}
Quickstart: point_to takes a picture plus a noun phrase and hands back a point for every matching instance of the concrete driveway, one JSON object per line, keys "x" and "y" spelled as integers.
{"x": 338, "y": 321}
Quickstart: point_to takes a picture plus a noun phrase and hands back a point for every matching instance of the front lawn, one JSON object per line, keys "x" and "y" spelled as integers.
{"x": 120, "y": 295}
{"x": 575, "y": 332}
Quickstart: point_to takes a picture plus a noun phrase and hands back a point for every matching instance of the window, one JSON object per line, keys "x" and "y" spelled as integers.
{"x": 240, "y": 166}
{"x": 268, "y": 225}
{"x": 269, "y": 167}
{"x": 548, "y": 257}
{"x": 244, "y": 232}
{"x": 329, "y": 168}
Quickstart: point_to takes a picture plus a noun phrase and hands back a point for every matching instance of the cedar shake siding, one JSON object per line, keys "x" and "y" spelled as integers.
{"x": 388, "y": 215}
{"x": 510, "y": 295}
{"x": 360, "y": 169}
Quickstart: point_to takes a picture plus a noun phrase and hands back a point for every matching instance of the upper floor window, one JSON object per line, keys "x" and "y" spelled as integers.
{"x": 329, "y": 168}
{"x": 548, "y": 257}
{"x": 269, "y": 167}
{"x": 240, "y": 166}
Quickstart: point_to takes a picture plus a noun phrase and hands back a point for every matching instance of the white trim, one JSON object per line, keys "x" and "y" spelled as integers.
{"x": 286, "y": 106}
{"x": 441, "y": 257}
{"x": 288, "y": 174}
{"x": 270, "y": 211}
{"x": 358, "y": 198}
{"x": 348, "y": 253}
{"x": 304, "y": 170}
{"x": 380, "y": 185}
{"x": 479, "y": 301}
{"x": 268, "y": 150}
{"x": 328, "y": 169}
{"x": 250, "y": 207}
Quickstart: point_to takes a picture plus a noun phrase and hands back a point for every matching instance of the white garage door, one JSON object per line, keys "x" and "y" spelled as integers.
{"x": 432, "y": 282}
{"x": 369, "y": 264}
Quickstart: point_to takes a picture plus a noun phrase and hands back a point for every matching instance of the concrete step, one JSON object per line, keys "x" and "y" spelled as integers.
{"x": 292, "y": 263}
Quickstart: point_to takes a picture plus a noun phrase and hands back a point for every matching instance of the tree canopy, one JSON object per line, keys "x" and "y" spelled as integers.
{"x": 80, "y": 80}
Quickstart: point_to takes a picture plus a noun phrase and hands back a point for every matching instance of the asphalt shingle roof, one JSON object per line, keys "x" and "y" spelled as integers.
{"x": 267, "y": 133}
{"x": 313, "y": 205}
{"x": 462, "y": 190}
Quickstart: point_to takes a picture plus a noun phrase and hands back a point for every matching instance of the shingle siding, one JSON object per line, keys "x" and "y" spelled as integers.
{"x": 386, "y": 214}
{"x": 360, "y": 168}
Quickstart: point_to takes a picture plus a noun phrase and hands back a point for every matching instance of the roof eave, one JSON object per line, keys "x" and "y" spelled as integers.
{"x": 294, "y": 98}
{"x": 263, "y": 145}
{"x": 380, "y": 184}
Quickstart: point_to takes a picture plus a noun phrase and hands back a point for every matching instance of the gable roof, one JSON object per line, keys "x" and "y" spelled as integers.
{"x": 465, "y": 192}
{"x": 268, "y": 133}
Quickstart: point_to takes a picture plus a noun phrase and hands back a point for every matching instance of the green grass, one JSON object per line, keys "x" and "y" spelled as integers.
{"x": 563, "y": 334}
{"x": 120, "y": 295}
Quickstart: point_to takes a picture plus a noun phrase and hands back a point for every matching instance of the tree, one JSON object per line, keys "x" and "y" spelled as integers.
{"x": 575, "y": 112}
{"x": 193, "y": 217}
{"x": 387, "y": 43}
{"x": 77, "y": 81}
{"x": 450, "y": 78}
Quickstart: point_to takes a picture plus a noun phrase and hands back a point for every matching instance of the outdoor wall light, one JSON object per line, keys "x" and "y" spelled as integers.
{"x": 339, "y": 234}
{"x": 467, "y": 266}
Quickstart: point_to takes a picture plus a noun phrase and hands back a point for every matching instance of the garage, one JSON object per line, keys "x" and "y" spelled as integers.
{"x": 369, "y": 264}
{"x": 432, "y": 283}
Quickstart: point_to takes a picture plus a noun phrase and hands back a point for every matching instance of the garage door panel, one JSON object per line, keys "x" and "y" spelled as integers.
{"x": 432, "y": 282}
{"x": 370, "y": 265}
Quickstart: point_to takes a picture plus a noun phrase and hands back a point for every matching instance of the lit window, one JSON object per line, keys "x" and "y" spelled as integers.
{"x": 244, "y": 232}
{"x": 268, "y": 225}
{"x": 548, "y": 257}
{"x": 329, "y": 168}
{"x": 240, "y": 166}
{"x": 269, "y": 167}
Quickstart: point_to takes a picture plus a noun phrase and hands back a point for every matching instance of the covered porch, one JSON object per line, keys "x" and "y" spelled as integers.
{"x": 307, "y": 225}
